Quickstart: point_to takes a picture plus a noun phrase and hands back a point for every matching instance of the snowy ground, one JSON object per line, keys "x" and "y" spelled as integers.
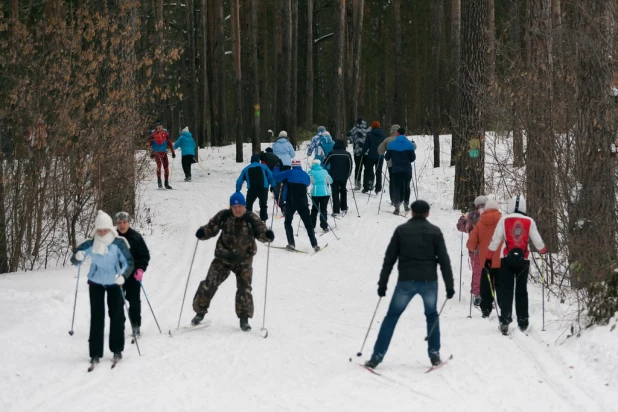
{"x": 317, "y": 314}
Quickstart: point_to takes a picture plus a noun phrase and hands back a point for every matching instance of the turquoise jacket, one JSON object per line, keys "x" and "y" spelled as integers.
{"x": 320, "y": 180}
{"x": 186, "y": 144}
{"x": 104, "y": 268}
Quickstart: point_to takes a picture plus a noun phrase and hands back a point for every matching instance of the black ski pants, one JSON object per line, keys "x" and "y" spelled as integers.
{"x": 260, "y": 193}
{"x": 373, "y": 174}
{"x": 487, "y": 302}
{"x": 303, "y": 212}
{"x": 401, "y": 184}
{"x": 391, "y": 186}
{"x": 279, "y": 190}
{"x": 115, "y": 305}
{"x": 509, "y": 280}
{"x": 358, "y": 161}
{"x": 133, "y": 289}
{"x": 187, "y": 161}
{"x": 340, "y": 195}
{"x": 320, "y": 202}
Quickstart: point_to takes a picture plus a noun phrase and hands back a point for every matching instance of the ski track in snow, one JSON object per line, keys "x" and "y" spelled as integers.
{"x": 317, "y": 315}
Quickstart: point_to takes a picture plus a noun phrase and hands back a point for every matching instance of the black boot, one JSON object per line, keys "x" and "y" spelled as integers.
{"x": 117, "y": 356}
{"x": 167, "y": 185}
{"x": 197, "y": 318}
{"x": 244, "y": 324}
{"x": 160, "y": 183}
{"x": 434, "y": 357}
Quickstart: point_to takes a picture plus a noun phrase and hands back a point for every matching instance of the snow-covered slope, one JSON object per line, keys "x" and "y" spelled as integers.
{"x": 317, "y": 314}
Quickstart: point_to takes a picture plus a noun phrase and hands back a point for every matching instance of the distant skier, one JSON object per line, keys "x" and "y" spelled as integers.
{"x": 325, "y": 146}
{"x": 339, "y": 165}
{"x": 233, "y": 253}
{"x": 315, "y": 141}
{"x": 111, "y": 265}
{"x": 159, "y": 143}
{"x": 187, "y": 146}
{"x": 466, "y": 224}
{"x": 478, "y": 242}
{"x": 373, "y": 160}
{"x": 401, "y": 152}
{"x": 382, "y": 150}
{"x": 516, "y": 230}
{"x": 419, "y": 246}
{"x": 283, "y": 149}
{"x": 141, "y": 257}
{"x": 259, "y": 178}
{"x": 357, "y": 136}
{"x": 268, "y": 158}
{"x": 295, "y": 192}
{"x": 320, "y": 194}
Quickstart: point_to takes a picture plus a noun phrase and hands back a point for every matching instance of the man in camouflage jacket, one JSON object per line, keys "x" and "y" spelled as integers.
{"x": 233, "y": 253}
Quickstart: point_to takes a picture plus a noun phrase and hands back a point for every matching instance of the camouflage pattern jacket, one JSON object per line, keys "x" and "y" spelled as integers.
{"x": 237, "y": 240}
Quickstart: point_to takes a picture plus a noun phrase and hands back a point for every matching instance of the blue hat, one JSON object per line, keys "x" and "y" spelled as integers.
{"x": 237, "y": 199}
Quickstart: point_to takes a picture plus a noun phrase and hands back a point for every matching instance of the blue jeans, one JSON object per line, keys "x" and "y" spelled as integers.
{"x": 404, "y": 292}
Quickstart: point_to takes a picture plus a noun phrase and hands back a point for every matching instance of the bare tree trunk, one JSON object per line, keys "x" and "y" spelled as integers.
{"x": 436, "y": 40}
{"x": 191, "y": 80}
{"x": 255, "y": 85}
{"x": 309, "y": 67}
{"x": 398, "y": 103}
{"x": 284, "y": 62}
{"x": 294, "y": 71}
{"x": 238, "y": 130}
{"x": 357, "y": 34}
{"x": 219, "y": 112}
{"x": 338, "y": 117}
{"x": 206, "y": 140}
{"x": 491, "y": 39}
{"x": 470, "y": 168}
{"x": 455, "y": 86}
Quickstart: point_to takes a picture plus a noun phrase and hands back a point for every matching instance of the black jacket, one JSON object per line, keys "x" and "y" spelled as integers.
{"x": 270, "y": 160}
{"x": 139, "y": 250}
{"x": 339, "y": 162}
{"x": 419, "y": 246}
{"x": 372, "y": 141}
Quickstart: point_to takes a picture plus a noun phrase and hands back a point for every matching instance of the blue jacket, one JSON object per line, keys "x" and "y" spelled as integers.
{"x": 186, "y": 144}
{"x": 315, "y": 140}
{"x": 320, "y": 180}
{"x": 104, "y": 268}
{"x": 284, "y": 150}
{"x": 295, "y": 188}
{"x": 325, "y": 146}
{"x": 256, "y": 175}
{"x": 401, "y": 152}
{"x": 372, "y": 141}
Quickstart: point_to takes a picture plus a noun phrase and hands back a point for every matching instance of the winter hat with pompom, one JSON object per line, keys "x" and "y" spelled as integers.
{"x": 103, "y": 221}
{"x": 317, "y": 162}
{"x": 186, "y": 129}
{"x": 394, "y": 129}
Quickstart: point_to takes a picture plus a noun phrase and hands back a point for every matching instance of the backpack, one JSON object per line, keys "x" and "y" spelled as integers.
{"x": 325, "y": 146}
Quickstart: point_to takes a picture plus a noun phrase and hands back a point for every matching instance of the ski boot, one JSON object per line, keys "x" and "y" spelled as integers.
{"x": 477, "y": 301}
{"x": 290, "y": 247}
{"x": 167, "y": 185}
{"x": 94, "y": 360}
{"x": 197, "y": 318}
{"x": 244, "y": 323}
{"x": 406, "y": 208}
{"x": 486, "y": 314}
{"x": 316, "y": 248}
{"x": 371, "y": 364}
{"x": 117, "y": 356}
{"x": 504, "y": 328}
{"x": 357, "y": 186}
{"x": 396, "y": 212}
{"x": 434, "y": 357}
{"x": 160, "y": 183}
{"x": 522, "y": 323}
{"x": 136, "y": 331}
{"x": 325, "y": 229}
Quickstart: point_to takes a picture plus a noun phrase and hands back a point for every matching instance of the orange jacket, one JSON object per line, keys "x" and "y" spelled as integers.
{"x": 481, "y": 235}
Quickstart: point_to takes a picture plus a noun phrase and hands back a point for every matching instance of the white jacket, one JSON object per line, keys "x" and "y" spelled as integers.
{"x": 516, "y": 230}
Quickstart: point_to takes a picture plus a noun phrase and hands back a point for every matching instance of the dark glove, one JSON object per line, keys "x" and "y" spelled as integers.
{"x": 450, "y": 292}
{"x": 173, "y": 155}
{"x": 200, "y": 234}
{"x": 270, "y": 235}
{"x": 272, "y": 189}
{"x": 488, "y": 263}
{"x": 381, "y": 291}
{"x": 152, "y": 155}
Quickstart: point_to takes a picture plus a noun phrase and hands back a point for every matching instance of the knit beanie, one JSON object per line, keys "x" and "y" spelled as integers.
{"x": 480, "y": 200}
{"x": 360, "y": 119}
{"x": 238, "y": 199}
{"x": 103, "y": 221}
{"x": 375, "y": 125}
{"x": 321, "y": 129}
{"x": 186, "y": 129}
{"x": 283, "y": 133}
{"x": 492, "y": 204}
{"x": 255, "y": 158}
{"x": 394, "y": 129}
{"x": 317, "y": 162}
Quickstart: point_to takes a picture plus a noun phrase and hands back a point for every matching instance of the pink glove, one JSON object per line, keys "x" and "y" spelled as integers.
{"x": 139, "y": 274}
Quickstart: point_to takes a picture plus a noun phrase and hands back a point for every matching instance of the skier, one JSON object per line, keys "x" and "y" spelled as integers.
{"x": 401, "y": 152}
{"x": 159, "y": 142}
{"x": 373, "y": 160}
{"x": 187, "y": 146}
{"x": 389, "y": 164}
{"x": 234, "y": 252}
{"x": 466, "y": 224}
{"x": 357, "y": 136}
{"x": 515, "y": 229}
{"x": 419, "y": 246}
{"x": 283, "y": 149}
{"x": 111, "y": 265}
{"x": 315, "y": 141}
{"x": 141, "y": 257}
{"x": 295, "y": 192}
{"x": 268, "y": 158}
{"x": 320, "y": 193}
{"x": 478, "y": 242}
{"x": 325, "y": 146}
{"x": 259, "y": 178}
{"x": 339, "y": 165}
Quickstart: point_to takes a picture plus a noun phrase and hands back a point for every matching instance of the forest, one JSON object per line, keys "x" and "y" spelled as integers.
{"x": 83, "y": 82}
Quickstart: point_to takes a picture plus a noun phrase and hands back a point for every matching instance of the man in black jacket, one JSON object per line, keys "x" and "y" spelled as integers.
{"x": 141, "y": 257}
{"x": 270, "y": 159}
{"x": 419, "y": 246}
{"x": 339, "y": 166}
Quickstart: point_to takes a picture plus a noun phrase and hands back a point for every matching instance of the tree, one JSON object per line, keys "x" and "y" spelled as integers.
{"x": 206, "y": 121}
{"x": 357, "y": 35}
{"x": 255, "y": 84}
{"x": 338, "y": 112}
{"x": 309, "y": 68}
{"x": 284, "y": 78}
{"x": 238, "y": 130}
{"x": 436, "y": 37}
{"x": 455, "y": 87}
{"x": 398, "y": 92}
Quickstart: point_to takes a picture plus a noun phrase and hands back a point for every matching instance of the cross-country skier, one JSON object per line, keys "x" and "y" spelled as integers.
{"x": 389, "y": 164}
{"x": 268, "y": 158}
{"x": 373, "y": 160}
{"x": 258, "y": 178}
{"x": 233, "y": 253}
{"x": 315, "y": 140}
{"x": 111, "y": 265}
{"x": 357, "y": 136}
{"x": 283, "y": 149}
{"x": 320, "y": 193}
{"x": 419, "y": 247}
{"x": 295, "y": 192}
{"x": 466, "y": 224}
{"x": 401, "y": 152}
{"x": 325, "y": 146}
{"x": 339, "y": 165}
{"x": 478, "y": 242}
{"x": 159, "y": 143}
{"x": 141, "y": 257}
{"x": 187, "y": 145}
{"x": 516, "y": 230}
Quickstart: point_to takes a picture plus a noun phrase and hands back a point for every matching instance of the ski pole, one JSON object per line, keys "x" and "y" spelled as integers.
{"x": 360, "y": 170}
{"x": 436, "y": 322}
{"x": 493, "y": 294}
{"x": 460, "y": 265}
{"x": 360, "y": 353}
{"x": 124, "y": 301}
{"x": 332, "y": 207}
{"x": 298, "y": 228}
{"x": 416, "y": 179}
{"x": 152, "y": 311}
{"x": 187, "y": 285}
{"x": 200, "y": 165}
{"x": 79, "y": 267}
{"x": 265, "y": 294}
{"x": 321, "y": 214}
{"x": 382, "y": 192}
{"x": 354, "y": 197}
{"x": 470, "y": 315}
{"x": 543, "y": 273}
{"x": 172, "y": 169}
{"x": 272, "y": 217}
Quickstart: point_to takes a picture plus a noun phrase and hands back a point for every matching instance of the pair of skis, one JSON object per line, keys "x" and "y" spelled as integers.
{"x": 431, "y": 369}
{"x": 94, "y": 364}
{"x": 299, "y": 251}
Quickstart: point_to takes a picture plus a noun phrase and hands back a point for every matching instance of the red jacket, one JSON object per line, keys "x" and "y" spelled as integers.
{"x": 516, "y": 230}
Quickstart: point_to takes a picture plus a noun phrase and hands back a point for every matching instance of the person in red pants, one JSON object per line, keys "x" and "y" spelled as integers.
{"x": 159, "y": 142}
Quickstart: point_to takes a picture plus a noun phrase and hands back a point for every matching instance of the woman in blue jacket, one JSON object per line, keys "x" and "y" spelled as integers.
{"x": 284, "y": 150}
{"x": 320, "y": 193}
{"x": 111, "y": 265}
{"x": 187, "y": 146}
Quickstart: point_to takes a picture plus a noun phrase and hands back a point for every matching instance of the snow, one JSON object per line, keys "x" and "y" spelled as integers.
{"x": 317, "y": 315}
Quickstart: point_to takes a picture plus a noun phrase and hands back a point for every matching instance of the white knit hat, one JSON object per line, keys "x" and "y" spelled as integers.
{"x": 103, "y": 221}
{"x": 517, "y": 204}
{"x": 317, "y": 162}
{"x": 186, "y": 129}
{"x": 283, "y": 133}
{"x": 492, "y": 204}
{"x": 480, "y": 200}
